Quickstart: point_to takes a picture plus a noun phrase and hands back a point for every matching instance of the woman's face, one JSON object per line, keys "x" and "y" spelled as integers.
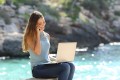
{"x": 41, "y": 24}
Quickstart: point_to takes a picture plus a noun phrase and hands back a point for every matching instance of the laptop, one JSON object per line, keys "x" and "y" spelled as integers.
{"x": 65, "y": 52}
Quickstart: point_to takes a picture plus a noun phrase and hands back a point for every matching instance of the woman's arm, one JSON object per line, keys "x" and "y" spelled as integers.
{"x": 50, "y": 55}
{"x": 37, "y": 47}
{"x": 48, "y": 38}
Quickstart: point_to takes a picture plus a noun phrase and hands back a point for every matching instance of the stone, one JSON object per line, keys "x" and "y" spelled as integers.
{"x": 41, "y": 79}
{"x": 11, "y": 28}
{"x": 25, "y": 9}
{"x": 7, "y": 10}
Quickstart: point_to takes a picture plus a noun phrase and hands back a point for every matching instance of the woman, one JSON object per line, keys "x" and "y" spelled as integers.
{"x": 37, "y": 42}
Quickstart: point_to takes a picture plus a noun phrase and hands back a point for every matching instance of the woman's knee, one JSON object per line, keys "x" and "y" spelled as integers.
{"x": 71, "y": 65}
{"x": 65, "y": 66}
{"x": 35, "y": 74}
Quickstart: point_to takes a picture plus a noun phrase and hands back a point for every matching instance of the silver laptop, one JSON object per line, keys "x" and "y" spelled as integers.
{"x": 65, "y": 52}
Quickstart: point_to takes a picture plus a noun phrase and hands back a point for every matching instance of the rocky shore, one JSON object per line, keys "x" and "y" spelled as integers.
{"x": 13, "y": 21}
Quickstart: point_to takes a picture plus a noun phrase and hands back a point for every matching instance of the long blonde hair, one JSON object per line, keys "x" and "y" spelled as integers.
{"x": 30, "y": 30}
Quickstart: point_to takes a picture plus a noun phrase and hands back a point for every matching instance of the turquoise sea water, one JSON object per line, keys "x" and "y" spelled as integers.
{"x": 100, "y": 64}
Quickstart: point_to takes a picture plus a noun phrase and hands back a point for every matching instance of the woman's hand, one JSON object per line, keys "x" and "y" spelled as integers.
{"x": 52, "y": 58}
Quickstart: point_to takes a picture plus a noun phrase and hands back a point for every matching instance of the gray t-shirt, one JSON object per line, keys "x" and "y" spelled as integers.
{"x": 43, "y": 58}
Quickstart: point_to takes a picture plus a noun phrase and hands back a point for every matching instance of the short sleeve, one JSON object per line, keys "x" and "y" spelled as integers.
{"x": 47, "y": 35}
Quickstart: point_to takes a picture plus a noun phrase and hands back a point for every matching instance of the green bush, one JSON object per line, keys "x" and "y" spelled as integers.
{"x": 47, "y": 10}
{"x": 26, "y": 2}
{"x": 39, "y": 4}
{"x": 2, "y": 2}
{"x": 72, "y": 8}
{"x": 96, "y": 6}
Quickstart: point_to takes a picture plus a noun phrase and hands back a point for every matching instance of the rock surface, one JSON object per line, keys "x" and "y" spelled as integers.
{"x": 40, "y": 79}
{"x": 90, "y": 34}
